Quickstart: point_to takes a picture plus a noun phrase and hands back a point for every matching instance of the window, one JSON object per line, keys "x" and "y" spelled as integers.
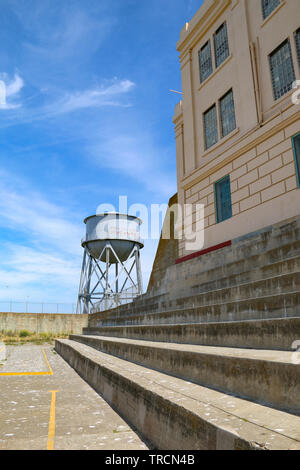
{"x": 268, "y": 6}
{"x": 205, "y": 62}
{"x": 297, "y": 39}
{"x": 223, "y": 199}
{"x": 296, "y": 146}
{"x": 211, "y": 126}
{"x": 221, "y": 44}
{"x": 282, "y": 69}
{"x": 228, "y": 123}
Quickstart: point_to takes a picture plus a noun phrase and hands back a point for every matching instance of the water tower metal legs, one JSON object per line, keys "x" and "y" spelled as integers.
{"x": 99, "y": 289}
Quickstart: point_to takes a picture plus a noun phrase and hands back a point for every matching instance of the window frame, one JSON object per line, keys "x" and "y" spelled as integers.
{"x": 218, "y": 218}
{"x": 208, "y": 42}
{"x": 297, "y": 164}
{"x": 221, "y": 116}
{"x": 217, "y": 126}
{"x": 263, "y": 9}
{"x": 297, "y": 44}
{"x": 271, "y": 54}
{"x": 224, "y": 24}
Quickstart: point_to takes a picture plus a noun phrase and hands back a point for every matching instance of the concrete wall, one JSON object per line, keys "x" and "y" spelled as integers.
{"x": 167, "y": 250}
{"x": 43, "y": 322}
{"x": 258, "y": 154}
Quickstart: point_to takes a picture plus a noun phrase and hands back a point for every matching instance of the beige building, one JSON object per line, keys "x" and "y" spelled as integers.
{"x": 237, "y": 128}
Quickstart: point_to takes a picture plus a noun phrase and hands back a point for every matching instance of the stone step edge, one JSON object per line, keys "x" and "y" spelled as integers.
{"x": 170, "y": 325}
{"x": 267, "y": 326}
{"x": 189, "y": 419}
{"x": 201, "y": 350}
{"x": 156, "y": 299}
{"x": 245, "y": 283}
{"x": 238, "y": 286}
{"x": 215, "y": 367}
{"x": 276, "y": 260}
{"x": 175, "y": 310}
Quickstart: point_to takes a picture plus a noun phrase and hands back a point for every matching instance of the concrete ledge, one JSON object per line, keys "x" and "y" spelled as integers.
{"x": 277, "y": 334}
{"x": 174, "y": 414}
{"x": 258, "y": 308}
{"x": 268, "y": 377}
{"x": 251, "y": 258}
{"x": 267, "y": 279}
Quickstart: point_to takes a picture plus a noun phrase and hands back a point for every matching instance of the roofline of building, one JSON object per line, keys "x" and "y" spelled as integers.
{"x": 207, "y": 15}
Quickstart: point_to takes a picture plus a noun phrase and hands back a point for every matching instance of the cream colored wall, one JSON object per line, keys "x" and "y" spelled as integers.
{"x": 258, "y": 154}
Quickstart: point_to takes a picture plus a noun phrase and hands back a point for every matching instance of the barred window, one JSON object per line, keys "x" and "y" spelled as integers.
{"x": 223, "y": 199}
{"x": 268, "y": 6}
{"x": 211, "y": 126}
{"x": 296, "y": 147}
{"x": 282, "y": 69}
{"x": 297, "y": 39}
{"x": 205, "y": 62}
{"x": 227, "y": 113}
{"x": 221, "y": 44}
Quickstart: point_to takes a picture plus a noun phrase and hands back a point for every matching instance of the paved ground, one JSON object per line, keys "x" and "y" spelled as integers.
{"x": 46, "y": 405}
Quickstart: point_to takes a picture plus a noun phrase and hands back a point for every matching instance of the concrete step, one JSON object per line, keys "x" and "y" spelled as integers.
{"x": 278, "y": 269}
{"x": 272, "y": 251}
{"x": 234, "y": 259}
{"x": 268, "y": 377}
{"x": 250, "y": 263}
{"x": 248, "y": 289}
{"x": 285, "y": 278}
{"x": 265, "y": 287}
{"x": 178, "y": 415}
{"x": 258, "y": 308}
{"x": 277, "y": 334}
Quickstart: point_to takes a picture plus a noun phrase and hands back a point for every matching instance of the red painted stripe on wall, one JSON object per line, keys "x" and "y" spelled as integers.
{"x": 203, "y": 252}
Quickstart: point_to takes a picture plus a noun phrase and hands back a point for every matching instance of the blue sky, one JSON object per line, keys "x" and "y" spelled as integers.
{"x": 88, "y": 117}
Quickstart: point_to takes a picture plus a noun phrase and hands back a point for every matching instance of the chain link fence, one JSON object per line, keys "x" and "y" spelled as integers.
{"x": 36, "y": 307}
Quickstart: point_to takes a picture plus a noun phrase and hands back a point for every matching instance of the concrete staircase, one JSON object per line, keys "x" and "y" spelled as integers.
{"x": 205, "y": 360}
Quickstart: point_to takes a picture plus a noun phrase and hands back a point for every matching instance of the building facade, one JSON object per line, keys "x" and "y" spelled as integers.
{"x": 237, "y": 127}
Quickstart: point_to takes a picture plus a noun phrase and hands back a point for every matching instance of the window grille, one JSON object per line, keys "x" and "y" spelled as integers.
{"x": 282, "y": 69}
{"x": 211, "y": 127}
{"x": 268, "y": 6}
{"x": 205, "y": 62}
{"x": 221, "y": 44}
{"x": 228, "y": 122}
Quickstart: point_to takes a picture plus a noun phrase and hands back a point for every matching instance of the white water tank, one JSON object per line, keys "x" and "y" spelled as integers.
{"x": 121, "y": 230}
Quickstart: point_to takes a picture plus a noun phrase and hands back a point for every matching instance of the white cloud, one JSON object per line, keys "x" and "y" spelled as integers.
{"x": 10, "y": 89}
{"x": 105, "y": 95}
{"x": 136, "y": 156}
{"x": 45, "y": 264}
{"x": 28, "y": 273}
{"x": 28, "y": 212}
{"x": 97, "y": 97}
{"x": 75, "y": 36}
{"x": 14, "y": 86}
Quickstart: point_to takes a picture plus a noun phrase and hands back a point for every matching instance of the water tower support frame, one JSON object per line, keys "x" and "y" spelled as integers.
{"x": 97, "y": 291}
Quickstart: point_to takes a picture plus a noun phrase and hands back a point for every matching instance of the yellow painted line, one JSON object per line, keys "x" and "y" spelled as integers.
{"x": 51, "y": 430}
{"x": 50, "y": 372}
{"x": 1, "y": 349}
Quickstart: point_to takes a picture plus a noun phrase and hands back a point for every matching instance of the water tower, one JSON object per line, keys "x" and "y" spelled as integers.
{"x": 111, "y": 268}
